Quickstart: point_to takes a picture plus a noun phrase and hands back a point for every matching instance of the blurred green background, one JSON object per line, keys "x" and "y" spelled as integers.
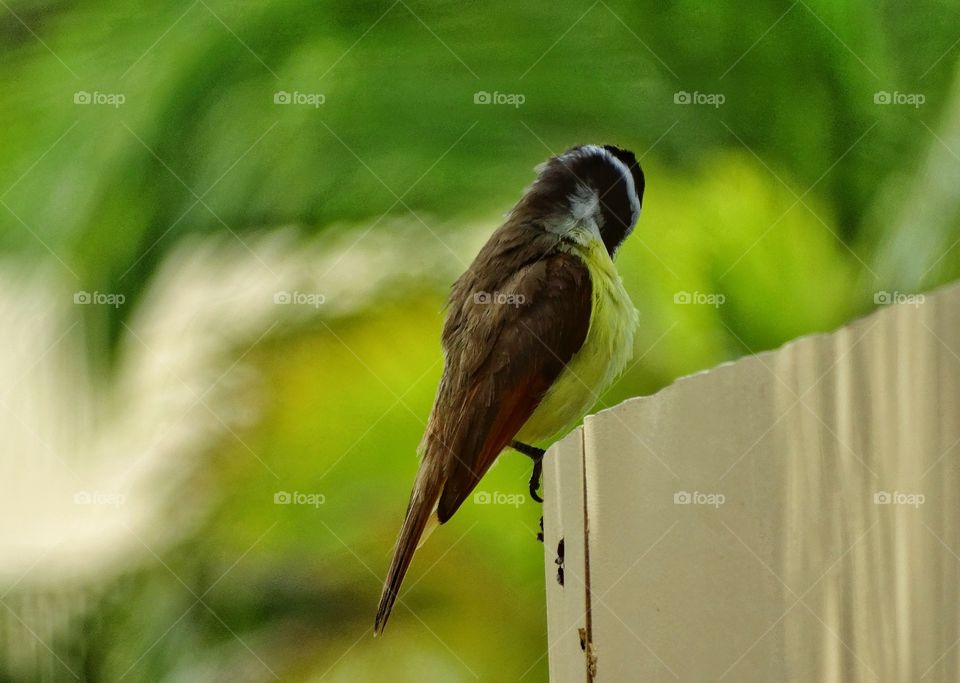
{"x": 811, "y": 176}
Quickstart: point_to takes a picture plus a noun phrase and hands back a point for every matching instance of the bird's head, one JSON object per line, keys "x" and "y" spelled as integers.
{"x": 602, "y": 184}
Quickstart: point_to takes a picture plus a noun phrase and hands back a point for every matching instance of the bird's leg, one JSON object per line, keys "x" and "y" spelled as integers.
{"x": 535, "y": 454}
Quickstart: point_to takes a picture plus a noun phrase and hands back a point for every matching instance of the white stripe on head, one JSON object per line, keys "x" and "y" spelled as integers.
{"x": 585, "y": 201}
{"x": 625, "y": 174}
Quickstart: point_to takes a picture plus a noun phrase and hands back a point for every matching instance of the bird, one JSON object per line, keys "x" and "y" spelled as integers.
{"x": 536, "y": 328}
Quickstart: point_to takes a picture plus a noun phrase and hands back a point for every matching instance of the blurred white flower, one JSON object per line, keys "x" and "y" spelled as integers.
{"x": 96, "y": 473}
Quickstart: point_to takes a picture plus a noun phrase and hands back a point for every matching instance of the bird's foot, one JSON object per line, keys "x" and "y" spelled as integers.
{"x": 535, "y": 454}
{"x": 535, "y": 480}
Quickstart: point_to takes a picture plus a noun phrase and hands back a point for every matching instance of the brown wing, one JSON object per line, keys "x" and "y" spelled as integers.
{"x": 504, "y": 349}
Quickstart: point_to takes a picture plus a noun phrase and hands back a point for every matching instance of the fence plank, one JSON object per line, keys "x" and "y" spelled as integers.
{"x": 563, "y": 522}
{"x": 794, "y": 515}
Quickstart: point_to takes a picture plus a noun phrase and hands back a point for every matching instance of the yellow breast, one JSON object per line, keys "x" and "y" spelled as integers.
{"x": 604, "y": 354}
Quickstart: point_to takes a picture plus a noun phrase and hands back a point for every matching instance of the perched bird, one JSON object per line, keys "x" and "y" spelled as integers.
{"x": 536, "y": 328}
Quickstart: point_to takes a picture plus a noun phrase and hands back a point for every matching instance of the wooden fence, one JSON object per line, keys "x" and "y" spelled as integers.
{"x": 794, "y": 515}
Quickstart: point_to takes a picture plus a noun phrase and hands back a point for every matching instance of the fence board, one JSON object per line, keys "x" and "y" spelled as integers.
{"x": 794, "y": 515}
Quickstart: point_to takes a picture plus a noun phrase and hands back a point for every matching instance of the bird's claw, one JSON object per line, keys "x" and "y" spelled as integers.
{"x": 535, "y": 479}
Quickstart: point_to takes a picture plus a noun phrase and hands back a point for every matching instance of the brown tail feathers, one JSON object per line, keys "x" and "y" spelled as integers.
{"x": 423, "y": 501}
